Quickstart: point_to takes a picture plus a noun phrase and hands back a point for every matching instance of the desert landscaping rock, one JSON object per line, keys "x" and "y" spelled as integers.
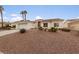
{"x": 40, "y": 42}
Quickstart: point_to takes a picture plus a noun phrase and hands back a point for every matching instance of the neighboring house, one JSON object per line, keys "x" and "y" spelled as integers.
{"x": 4, "y": 24}
{"x": 65, "y": 23}
{"x": 74, "y": 24}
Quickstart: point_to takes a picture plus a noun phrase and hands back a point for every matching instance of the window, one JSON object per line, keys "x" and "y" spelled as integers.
{"x": 56, "y": 24}
{"x": 45, "y": 24}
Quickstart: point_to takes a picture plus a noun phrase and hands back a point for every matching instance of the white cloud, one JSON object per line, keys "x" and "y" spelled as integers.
{"x": 74, "y": 18}
{"x": 15, "y": 19}
{"x": 38, "y": 17}
{"x": 13, "y": 15}
{"x": 77, "y": 17}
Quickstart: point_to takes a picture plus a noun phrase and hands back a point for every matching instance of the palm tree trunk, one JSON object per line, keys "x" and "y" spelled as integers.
{"x": 2, "y": 19}
{"x": 25, "y": 17}
{"x": 22, "y": 16}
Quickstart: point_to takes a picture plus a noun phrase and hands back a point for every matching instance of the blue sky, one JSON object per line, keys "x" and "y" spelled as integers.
{"x": 12, "y": 12}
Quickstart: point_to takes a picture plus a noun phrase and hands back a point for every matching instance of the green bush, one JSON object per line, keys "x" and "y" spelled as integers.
{"x": 14, "y": 26}
{"x": 22, "y": 30}
{"x": 40, "y": 28}
{"x": 45, "y": 29}
{"x": 49, "y": 30}
{"x": 8, "y": 27}
{"x": 53, "y": 29}
{"x": 66, "y": 29}
{"x": 59, "y": 28}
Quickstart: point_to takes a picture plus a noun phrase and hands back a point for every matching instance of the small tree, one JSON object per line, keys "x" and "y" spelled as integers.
{"x": 52, "y": 29}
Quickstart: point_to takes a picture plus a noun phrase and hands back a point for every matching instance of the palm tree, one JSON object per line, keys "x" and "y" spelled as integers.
{"x": 23, "y": 13}
{"x": 1, "y": 13}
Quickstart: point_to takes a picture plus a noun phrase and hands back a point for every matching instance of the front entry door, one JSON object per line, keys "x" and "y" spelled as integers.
{"x": 39, "y": 24}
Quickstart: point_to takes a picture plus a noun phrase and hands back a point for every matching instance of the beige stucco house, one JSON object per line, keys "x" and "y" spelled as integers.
{"x": 4, "y": 24}
{"x": 74, "y": 24}
{"x": 47, "y": 23}
{"x": 23, "y": 24}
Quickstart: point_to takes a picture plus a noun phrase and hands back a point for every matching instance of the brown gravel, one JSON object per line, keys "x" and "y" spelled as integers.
{"x": 40, "y": 42}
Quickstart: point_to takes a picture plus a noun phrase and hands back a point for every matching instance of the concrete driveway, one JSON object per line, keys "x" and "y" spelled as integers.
{"x": 5, "y": 32}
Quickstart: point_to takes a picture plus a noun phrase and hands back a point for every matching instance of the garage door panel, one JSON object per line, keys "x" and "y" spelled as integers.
{"x": 26, "y": 26}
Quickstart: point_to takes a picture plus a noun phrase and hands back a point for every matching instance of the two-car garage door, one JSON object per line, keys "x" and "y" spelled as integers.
{"x": 74, "y": 26}
{"x": 25, "y": 26}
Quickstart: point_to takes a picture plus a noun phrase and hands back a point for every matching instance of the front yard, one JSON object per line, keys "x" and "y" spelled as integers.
{"x": 35, "y": 41}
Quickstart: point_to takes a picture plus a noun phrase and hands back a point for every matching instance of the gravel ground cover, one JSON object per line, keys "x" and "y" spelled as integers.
{"x": 40, "y": 42}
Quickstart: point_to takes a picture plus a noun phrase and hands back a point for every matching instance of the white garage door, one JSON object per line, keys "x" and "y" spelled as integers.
{"x": 26, "y": 26}
{"x": 76, "y": 28}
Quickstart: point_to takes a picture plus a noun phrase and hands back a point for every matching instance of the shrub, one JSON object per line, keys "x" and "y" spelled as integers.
{"x": 59, "y": 28}
{"x": 45, "y": 29}
{"x": 53, "y": 29}
{"x": 40, "y": 28}
{"x": 66, "y": 29}
{"x": 14, "y": 26}
{"x": 8, "y": 27}
{"x": 22, "y": 30}
{"x": 49, "y": 30}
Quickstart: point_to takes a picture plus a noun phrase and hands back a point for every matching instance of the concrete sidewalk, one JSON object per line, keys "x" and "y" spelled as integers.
{"x": 5, "y": 32}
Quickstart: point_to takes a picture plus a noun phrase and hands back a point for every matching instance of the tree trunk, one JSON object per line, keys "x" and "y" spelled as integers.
{"x": 2, "y": 19}
{"x": 25, "y": 17}
{"x": 22, "y": 17}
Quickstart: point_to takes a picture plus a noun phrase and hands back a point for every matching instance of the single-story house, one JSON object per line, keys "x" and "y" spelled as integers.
{"x": 4, "y": 24}
{"x": 74, "y": 24}
{"x": 47, "y": 23}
